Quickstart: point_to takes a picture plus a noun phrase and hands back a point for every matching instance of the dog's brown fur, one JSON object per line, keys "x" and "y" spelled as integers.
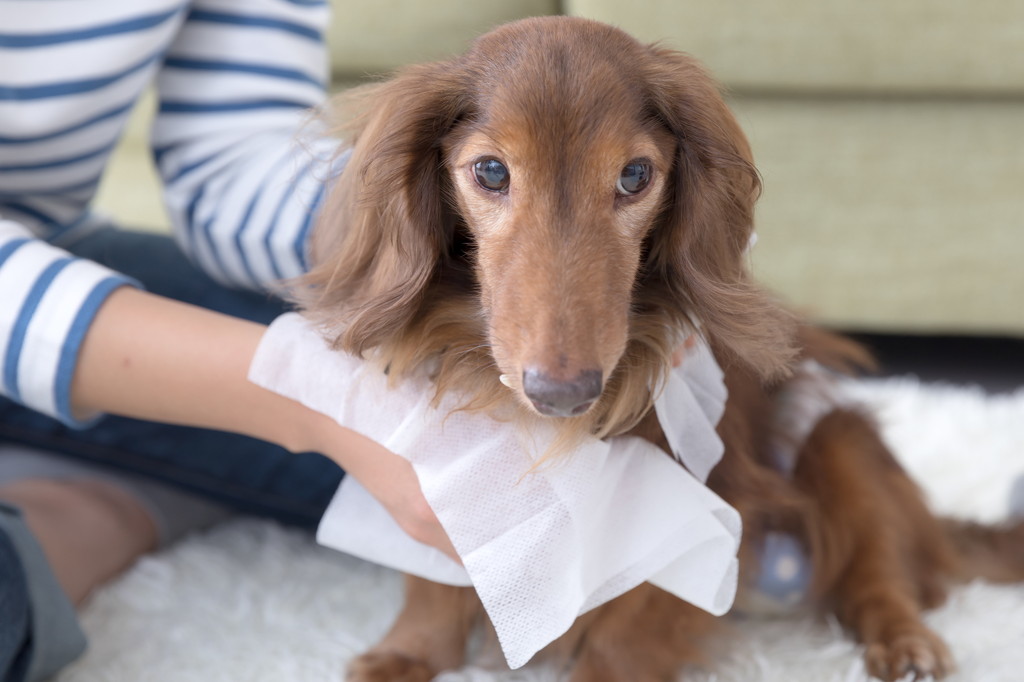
{"x": 420, "y": 266}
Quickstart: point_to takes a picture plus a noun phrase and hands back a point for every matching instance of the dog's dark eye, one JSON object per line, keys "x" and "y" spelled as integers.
{"x": 491, "y": 174}
{"x": 635, "y": 176}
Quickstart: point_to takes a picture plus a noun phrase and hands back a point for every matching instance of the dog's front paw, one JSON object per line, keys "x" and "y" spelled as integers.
{"x": 920, "y": 655}
{"x": 388, "y": 666}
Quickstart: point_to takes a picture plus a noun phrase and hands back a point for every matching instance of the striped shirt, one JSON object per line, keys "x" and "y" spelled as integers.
{"x": 243, "y": 165}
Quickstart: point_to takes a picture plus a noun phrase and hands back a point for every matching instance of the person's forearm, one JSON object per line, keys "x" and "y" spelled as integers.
{"x": 153, "y": 358}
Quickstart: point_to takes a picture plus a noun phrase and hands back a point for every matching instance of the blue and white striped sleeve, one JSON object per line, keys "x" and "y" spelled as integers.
{"x": 242, "y": 157}
{"x": 49, "y": 300}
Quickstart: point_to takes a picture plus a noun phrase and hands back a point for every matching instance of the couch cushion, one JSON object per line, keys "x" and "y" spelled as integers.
{"x": 382, "y": 35}
{"x": 867, "y": 45}
{"x": 892, "y": 215}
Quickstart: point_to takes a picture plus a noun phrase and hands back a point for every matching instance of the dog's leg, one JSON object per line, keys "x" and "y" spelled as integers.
{"x": 646, "y": 635}
{"x": 428, "y": 637}
{"x": 879, "y": 555}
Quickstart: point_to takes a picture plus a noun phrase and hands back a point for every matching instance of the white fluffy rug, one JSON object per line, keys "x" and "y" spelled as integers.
{"x": 252, "y": 601}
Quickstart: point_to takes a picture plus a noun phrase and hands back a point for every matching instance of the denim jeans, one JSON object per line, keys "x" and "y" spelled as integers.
{"x": 15, "y": 615}
{"x": 249, "y": 475}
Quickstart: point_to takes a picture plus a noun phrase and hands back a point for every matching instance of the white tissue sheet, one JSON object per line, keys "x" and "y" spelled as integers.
{"x": 540, "y": 547}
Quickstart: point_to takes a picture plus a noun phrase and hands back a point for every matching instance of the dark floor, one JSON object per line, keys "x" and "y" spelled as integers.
{"x": 997, "y": 364}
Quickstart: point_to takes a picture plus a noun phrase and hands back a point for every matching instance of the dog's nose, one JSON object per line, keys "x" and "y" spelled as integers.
{"x": 557, "y": 398}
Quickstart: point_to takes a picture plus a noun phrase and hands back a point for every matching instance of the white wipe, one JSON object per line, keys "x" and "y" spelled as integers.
{"x": 540, "y": 548}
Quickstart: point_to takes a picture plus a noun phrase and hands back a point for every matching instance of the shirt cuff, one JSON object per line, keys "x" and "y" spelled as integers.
{"x": 50, "y": 300}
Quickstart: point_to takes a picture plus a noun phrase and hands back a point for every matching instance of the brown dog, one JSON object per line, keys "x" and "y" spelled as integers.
{"x": 559, "y": 208}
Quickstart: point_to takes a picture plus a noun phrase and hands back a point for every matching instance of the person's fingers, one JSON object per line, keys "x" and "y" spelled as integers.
{"x": 393, "y": 481}
{"x": 421, "y": 523}
{"x": 679, "y": 354}
{"x": 445, "y": 545}
{"x": 389, "y": 477}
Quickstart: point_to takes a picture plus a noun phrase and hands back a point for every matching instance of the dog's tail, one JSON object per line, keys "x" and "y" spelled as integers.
{"x": 990, "y": 552}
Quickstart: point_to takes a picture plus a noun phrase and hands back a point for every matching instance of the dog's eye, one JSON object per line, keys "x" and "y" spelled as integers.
{"x": 635, "y": 176}
{"x": 491, "y": 174}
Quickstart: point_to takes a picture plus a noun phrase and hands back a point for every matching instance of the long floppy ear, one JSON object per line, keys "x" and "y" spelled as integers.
{"x": 698, "y": 250}
{"x": 386, "y": 227}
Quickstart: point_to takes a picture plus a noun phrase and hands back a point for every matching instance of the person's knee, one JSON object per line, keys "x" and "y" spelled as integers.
{"x": 117, "y": 506}
{"x": 89, "y": 530}
{"x": 94, "y": 499}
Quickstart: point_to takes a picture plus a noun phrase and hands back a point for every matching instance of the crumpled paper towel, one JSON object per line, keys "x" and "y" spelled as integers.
{"x": 540, "y": 547}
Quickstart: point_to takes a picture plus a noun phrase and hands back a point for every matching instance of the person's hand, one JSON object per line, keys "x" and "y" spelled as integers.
{"x": 679, "y": 354}
{"x": 152, "y": 358}
{"x": 388, "y": 477}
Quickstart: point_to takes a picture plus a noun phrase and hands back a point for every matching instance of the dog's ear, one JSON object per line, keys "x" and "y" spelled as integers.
{"x": 386, "y": 226}
{"x": 698, "y": 250}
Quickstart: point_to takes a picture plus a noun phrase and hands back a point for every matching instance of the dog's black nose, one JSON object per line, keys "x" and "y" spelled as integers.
{"x": 555, "y": 398}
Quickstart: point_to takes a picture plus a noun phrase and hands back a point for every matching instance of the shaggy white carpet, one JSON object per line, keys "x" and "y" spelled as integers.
{"x": 252, "y": 601}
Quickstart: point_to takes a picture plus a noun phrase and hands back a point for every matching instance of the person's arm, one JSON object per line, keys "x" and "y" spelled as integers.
{"x": 153, "y": 358}
{"x": 47, "y": 300}
{"x": 243, "y": 161}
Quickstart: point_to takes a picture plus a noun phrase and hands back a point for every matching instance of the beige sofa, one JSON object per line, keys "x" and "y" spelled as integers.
{"x": 890, "y": 136}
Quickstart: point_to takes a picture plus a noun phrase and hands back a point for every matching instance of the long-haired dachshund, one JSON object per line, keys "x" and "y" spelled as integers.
{"x": 543, "y": 220}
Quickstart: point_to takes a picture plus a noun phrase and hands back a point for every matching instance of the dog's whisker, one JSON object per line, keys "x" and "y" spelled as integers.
{"x": 467, "y": 351}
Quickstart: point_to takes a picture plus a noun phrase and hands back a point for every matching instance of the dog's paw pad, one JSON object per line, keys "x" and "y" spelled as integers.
{"x": 918, "y": 656}
{"x": 388, "y": 667}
